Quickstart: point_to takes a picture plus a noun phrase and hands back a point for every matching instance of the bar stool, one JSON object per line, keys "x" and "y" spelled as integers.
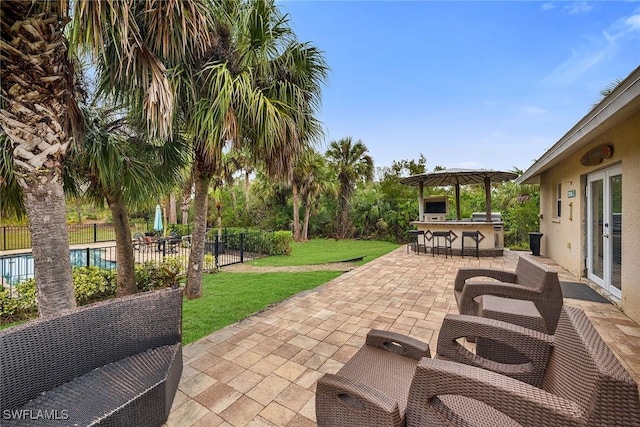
{"x": 413, "y": 240}
{"x": 436, "y": 245}
{"x": 475, "y": 236}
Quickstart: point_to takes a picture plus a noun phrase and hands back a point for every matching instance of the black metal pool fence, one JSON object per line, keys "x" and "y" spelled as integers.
{"x": 18, "y": 237}
{"x": 222, "y": 250}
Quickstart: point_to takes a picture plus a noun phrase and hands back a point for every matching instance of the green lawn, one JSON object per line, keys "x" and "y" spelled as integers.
{"x": 320, "y": 251}
{"x": 230, "y": 297}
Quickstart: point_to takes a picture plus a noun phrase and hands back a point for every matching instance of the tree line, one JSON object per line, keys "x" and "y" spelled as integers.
{"x": 174, "y": 81}
{"x": 215, "y": 101}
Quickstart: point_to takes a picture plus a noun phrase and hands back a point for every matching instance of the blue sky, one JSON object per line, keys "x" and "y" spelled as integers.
{"x": 473, "y": 84}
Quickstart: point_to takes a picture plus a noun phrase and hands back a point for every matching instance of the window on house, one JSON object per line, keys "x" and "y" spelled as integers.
{"x": 558, "y": 212}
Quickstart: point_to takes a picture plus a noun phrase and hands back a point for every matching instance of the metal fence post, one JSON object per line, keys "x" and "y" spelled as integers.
{"x": 88, "y": 258}
{"x": 95, "y": 233}
{"x": 241, "y": 248}
{"x": 215, "y": 251}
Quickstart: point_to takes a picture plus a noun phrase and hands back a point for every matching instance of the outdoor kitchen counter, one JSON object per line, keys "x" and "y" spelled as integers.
{"x": 492, "y": 244}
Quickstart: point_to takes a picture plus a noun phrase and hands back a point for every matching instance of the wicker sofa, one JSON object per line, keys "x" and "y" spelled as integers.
{"x": 583, "y": 384}
{"x": 114, "y": 363}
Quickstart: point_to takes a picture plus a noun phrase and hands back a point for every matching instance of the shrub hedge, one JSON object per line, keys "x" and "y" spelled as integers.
{"x": 262, "y": 242}
{"x": 93, "y": 284}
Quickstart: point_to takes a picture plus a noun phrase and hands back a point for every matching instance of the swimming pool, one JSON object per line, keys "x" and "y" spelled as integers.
{"x": 18, "y": 267}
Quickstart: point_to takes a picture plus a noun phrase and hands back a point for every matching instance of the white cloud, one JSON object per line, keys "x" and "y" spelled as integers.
{"x": 626, "y": 26}
{"x": 547, "y": 6}
{"x": 534, "y": 111}
{"x": 577, "y": 8}
{"x": 596, "y": 50}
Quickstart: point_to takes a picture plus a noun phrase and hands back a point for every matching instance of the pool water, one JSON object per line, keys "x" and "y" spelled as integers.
{"x": 19, "y": 267}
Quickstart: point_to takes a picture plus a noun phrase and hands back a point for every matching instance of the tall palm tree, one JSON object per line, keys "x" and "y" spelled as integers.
{"x": 38, "y": 115}
{"x": 236, "y": 98}
{"x": 116, "y": 165}
{"x": 352, "y": 165}
{"x": 39, "y": 111}
{"x": 315, "y": 182}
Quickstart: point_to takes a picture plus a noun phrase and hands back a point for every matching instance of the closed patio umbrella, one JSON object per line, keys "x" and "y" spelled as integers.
{"x": 157, "y": 222}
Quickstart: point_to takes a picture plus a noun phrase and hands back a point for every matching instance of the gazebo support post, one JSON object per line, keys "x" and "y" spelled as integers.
{"x": 487, "y": 192}
{"x": 421, "y": 198}
{"x": 458, "y": 201}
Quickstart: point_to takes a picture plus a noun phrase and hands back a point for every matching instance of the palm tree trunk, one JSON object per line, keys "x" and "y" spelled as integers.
{"x": 36, "y": 106}
{"x": 173, "y": 215}
{"x": 247, "y": 189}
{"x": 307, "y": 216}
{"x": 296, "y": 212}
{"x": 45, "y": 205}
{"x": 202, "y": 180}
{"x": 186, "y": 200}
{"x": 125, "y": 279}
{"x": 344, "y": 225}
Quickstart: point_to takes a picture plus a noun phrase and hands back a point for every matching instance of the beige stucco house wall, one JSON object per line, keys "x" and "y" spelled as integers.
{"x": 562, "y": 177}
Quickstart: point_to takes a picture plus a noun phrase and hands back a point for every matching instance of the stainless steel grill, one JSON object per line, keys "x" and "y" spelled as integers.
{"x": 482, "y": 216}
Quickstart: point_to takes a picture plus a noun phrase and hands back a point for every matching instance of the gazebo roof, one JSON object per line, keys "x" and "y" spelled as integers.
{"x": 457, "y": 177}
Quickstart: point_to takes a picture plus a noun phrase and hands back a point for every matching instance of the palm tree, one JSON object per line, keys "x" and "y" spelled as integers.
{"x": 39, "y": 111}
{"x": 38, "y": 115}
{"x": 235, "y": 97}
{"x": 315, "y": 182}
{"x": 352, "y": 164}
{"x": 117, "y": 165}
{"x": 11, "y": 200}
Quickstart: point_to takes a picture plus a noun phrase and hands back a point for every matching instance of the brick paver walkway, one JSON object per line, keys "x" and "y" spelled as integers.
{"x": 262, "y": 371}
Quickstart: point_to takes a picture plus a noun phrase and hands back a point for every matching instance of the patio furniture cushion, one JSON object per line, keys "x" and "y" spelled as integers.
{"x": 531, "y": 281}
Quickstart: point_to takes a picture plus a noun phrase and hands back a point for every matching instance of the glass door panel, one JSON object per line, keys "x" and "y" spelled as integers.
{"x": 615, "y": 186}
{"x": 596, "y": 198}
{"x": 604, "y": 229}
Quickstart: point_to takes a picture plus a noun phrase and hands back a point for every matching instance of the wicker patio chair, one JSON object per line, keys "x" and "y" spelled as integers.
{"x": 530, "y": 281}
{"x": 584, "y": 385}
{"x": 372, "y": 388}
{"x": 530, "y": 349}
{"x": 142, "y": 242}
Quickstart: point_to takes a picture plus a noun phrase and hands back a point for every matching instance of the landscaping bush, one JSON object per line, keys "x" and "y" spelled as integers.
{"x": 92, "y": 284}
{"x": 261, "y": 242}
{"x": 21, "y": 306}
{"x": 179, "y": 229}
{"x": 280, "y": 243}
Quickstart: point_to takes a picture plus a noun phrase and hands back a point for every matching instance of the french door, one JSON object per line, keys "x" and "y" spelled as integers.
{"x": 604, "y": 229}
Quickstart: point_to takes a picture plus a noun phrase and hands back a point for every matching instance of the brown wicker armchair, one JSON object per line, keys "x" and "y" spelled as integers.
{"x": 584, "y": 385}
{"x": 373, "y": 387}
{"x": 531, "y": 281}
{"x": 530, "y": 350}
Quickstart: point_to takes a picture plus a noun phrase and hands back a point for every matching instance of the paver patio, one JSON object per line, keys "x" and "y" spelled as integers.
{"x": 262, "y": 371}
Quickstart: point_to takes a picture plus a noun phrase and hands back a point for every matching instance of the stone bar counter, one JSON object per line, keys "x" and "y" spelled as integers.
{"x": 491, "y": 236}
